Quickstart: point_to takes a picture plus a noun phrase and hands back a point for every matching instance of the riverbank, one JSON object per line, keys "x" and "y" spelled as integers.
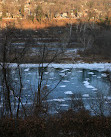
{"x": 63, "y": 38}
{"x": 29, "y": 24}
{"x": 67, "y": 124}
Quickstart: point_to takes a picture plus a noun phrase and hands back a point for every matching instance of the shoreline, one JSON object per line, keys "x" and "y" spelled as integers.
{"x": 92, "y": 66}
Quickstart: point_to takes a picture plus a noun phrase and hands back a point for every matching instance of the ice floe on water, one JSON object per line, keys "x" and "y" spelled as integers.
{"x": 28, "y": 81}
{"x": 87, "y": 85}
{"x": 109, "y": 97}
{"x": 92, "y": 66}
{"x": 62, "y": 74}
{"x": 64, "y": 105}
{"x": 68, "y": 92}
{"x": 87, "y": 107}
{"x": 51, "y": 78}
{"x": 98, "y": 77}
{"x": 87, "y": 79}
{"x": 16, "y": 79}
{"x": 104, "y": 75}
{"x": 64, "y": 70}
{"x": 59, "y": 100}
{"x": 27, "y": 69}
{"x": 91, "y": 73}
{"x": 69, "y": 72}
{"x": 23, "y": 88}
{"x": 62, "y": 86}
{"x": 46, "y": 73}
{"x": 85, "y": 95}
{"x": 80, "y": 71}
{"x": 65, "y": 81}
{"x": 56, "y": 100}
{"x": 94, "y": 89}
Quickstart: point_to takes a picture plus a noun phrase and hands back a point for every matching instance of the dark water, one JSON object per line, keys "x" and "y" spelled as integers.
{"x": 86, "y": 84}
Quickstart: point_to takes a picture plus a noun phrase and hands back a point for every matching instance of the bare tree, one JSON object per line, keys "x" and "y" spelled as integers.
{"x": 86, "y": 33}
{"x": 9, "y": 55}
{"x": 100, "y": 105}
{"x": 46, "y": 55}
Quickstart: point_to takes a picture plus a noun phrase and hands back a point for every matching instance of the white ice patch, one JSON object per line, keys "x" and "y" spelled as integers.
{"x": 65, "y": 81}
{"x": 80, "y": 71}
{"x": 94, "y": 75}
{"x": 23, "y": 88}
{"x": 109, "y": 97}
{"x": 62, "y": 74}
{"x": 58, "y": 100}
{"x": 69, "y": 72}
{"x": 68, "y": 92}
{"x": 87, "y": 107}
{"x": 87, "y": 85}
{"x": 28, "y": 80}
{"x": 85, "y": 95}
{"x": 51, "y": 78}
{"x": 48, "y": 85}
{"x": 64, "y": 105}
{"x": 46, "y": 72}
{"x": 63, "y": 86}
{"x": 91, "y": 73}
{"x": 104, "y": 75}
{"x": 86, "y": 82}
{"x": 87, "y": 79}
{"x": 16, "y": 79}
{"x": 94, "y": 89}
{"x": 26, "y": 69}
{"x": 64, "y": 70}
{"x": 98, "y": 77}
{"x": 92, "y": 66}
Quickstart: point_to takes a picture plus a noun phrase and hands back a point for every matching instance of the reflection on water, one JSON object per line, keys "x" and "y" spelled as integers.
{"x": 86, "y": 82}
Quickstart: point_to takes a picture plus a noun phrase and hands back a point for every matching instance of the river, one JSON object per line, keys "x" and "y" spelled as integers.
{"x": 65, "y": 81}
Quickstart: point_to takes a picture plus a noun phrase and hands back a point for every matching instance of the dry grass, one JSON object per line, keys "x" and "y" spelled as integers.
{"x": 67, "y": 124}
